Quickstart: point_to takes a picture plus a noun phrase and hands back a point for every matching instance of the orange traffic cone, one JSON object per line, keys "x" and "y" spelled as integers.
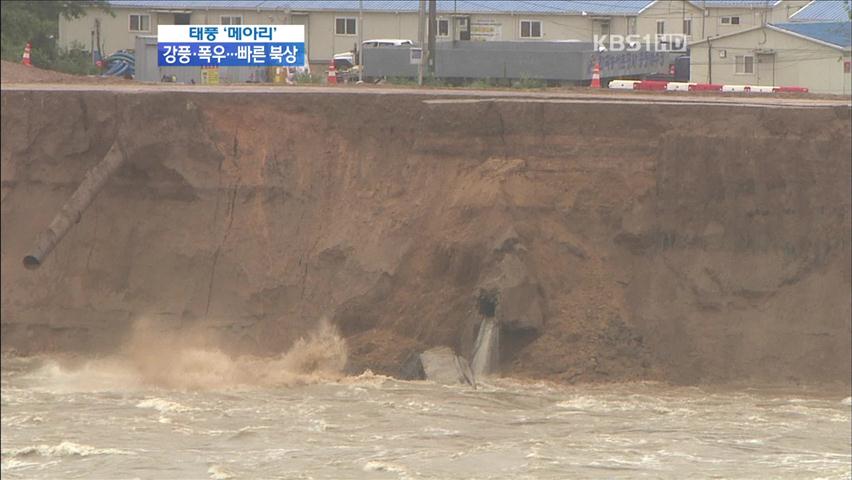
{"x": 26, "y": 59}
{"x": 596, "y": 76}
{"x": 332, "y": 74}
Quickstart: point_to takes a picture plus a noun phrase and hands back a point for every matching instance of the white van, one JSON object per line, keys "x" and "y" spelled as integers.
{"x": 387, "y": 42}
{"x": 347, "y": 59}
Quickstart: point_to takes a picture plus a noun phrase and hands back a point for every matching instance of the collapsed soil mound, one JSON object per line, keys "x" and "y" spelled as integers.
{"x": 688, "y": 243}
{"x": 19, "y": 73}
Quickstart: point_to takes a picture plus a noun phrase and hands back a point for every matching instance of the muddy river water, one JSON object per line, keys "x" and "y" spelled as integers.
{"x": 87, "y": 421}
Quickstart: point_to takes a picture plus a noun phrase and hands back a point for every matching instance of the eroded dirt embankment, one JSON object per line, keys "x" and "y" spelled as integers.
{"x": 614, "y": 242}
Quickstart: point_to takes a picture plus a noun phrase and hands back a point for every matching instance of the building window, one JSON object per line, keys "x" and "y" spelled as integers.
{"x": 631, "y": 25}
{"x": 744, "y": 64}
{"x": 530, "y": 29}
{"x": 661, "y": 27}
{"x": 730, "y": 20}
{"x": 345, "y": 26}
{"x": 230, "y": 20}
{"x": 443, "y": 27}
{"x": 687, "y": 26}
{"x": 183, "y": 18}
{"x": 140, "y": 23}
{"x": 604, "y": 28}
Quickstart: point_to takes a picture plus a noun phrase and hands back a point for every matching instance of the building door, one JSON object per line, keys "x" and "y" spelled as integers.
{"x": 600, "y": 27}
{"x": 462, "y": 28}
{"x": 765, "y": 68}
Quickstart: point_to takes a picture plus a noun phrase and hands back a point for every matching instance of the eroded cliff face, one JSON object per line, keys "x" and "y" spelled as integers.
{"x": 612, "y": 242}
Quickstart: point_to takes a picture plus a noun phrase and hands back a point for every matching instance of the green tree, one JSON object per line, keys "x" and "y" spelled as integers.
{"x": 38, "y": 22}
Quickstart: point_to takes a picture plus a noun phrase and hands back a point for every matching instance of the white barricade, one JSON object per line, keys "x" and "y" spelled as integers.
{"x": 762, "y": 89}
{"x": 622, "y": 84}
{"x": 678, "y": 86}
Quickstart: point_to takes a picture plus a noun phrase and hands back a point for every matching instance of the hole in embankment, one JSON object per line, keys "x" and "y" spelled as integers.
{"x": 487, "y": 303}
{"x": 513, "y": 341}
{"x": 31, "y": 262}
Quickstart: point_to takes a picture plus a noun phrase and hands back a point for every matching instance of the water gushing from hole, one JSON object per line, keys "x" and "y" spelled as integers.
{"x": 486, "y": 356}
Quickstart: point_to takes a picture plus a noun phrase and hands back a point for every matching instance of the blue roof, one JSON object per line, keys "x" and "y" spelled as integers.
{"x": 735, "y": 3}
{"x": 835, "y": 33}
{"x": 823, "y": 11}
{"x": 564, "y": 7}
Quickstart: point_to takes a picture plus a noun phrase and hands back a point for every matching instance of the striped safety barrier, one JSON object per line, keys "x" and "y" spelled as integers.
{"x": 650, "y": 85}
{"x": 705, "y": 87}
{"x": 762, "y": 89}
{"x": 678, "y": 86}
{"x": 623, "y": 84}
{"x": 791, "y": 89}
{"x": 662, "y": 85}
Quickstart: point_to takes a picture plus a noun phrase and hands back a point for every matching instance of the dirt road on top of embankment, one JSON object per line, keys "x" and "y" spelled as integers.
{"x": 577, "y": 95}
{"x": 616, "y": 237}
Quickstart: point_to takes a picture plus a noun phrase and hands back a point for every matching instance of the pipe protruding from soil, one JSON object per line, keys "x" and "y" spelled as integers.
{"x": 31, "y": 262}
{"x": 72, "y": 211}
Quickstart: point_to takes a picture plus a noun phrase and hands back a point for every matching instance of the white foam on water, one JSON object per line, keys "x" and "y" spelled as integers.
{"x": 11, "y": 464}
{"x": 17, "y": 420}
{"x": 441, "y": 432}
{"x": 319, "y": 425}
{"x": 218, "y": 472}
{"x": 16, "y": 396}
{"x": 846, "y": 401}
{"x": 745, "y": 441}
{"x": 367, "y": 379}
{"x": 163, "y": 406}
{"x": 620, "y": 440}
{"x": 383, "y": 466}
{"x": 691, "y": 458}
{"x": 645, "y": 461}
{"x": 597, "y": 404}
{"x": 280, "y": 453}
{"x": 535, "y": 454}
{"x": 420, "y": 405}
{"x": 63, "y": 449}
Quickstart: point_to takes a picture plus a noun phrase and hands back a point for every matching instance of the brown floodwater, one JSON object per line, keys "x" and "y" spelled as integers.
{"x": 105, "y": 418}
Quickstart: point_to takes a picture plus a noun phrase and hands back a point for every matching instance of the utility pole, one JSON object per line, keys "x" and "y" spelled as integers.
{"x": 765, "y": 14}
{"x": 360, "y": 41}
{"x": 709, "y": 61}
{"x": 433, "y": 27}
{"x": 455, "y": 19}
{"x": 420, "y": 38}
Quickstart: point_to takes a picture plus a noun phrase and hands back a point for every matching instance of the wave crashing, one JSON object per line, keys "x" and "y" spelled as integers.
{"x": 194, "y": 361}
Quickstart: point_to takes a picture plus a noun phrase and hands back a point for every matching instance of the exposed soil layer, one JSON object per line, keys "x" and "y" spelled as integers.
{"x": 687, "y": 243}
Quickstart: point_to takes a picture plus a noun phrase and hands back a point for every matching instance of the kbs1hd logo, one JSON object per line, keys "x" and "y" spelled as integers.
{"x": 670, "y": 42}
